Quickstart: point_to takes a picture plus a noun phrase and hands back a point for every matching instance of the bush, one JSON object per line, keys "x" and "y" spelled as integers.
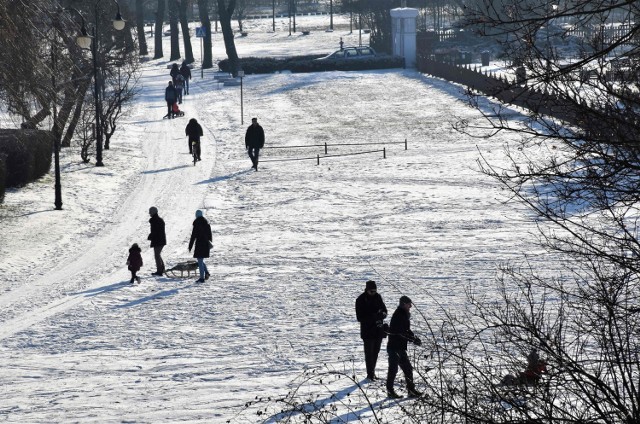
{"x": 27, "y": 153}
{"x": 267, "y": 65}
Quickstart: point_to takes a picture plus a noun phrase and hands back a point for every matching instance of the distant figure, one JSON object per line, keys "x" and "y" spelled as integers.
{"x": 371, "y": 312}
{"x": 341, "y": 44}
{"x": 179, "y": 85}
{"x": 399, "y": 334}
{"x": 158, "y": 239}
{"x": 186, "y": 73}
{"x": 254, "y": 141}
{"x": 170, "y": 96}
{"x": 531, "y": 375}
{"x": 201, "y": 236}
{"x": 175, "y": 71}
{"x": 134, "y": 262}
{"x": 193, "y": 131}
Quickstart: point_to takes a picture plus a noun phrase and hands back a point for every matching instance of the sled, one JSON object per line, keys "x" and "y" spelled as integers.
{"x": 174, "y": 115}
{"x": 183, "y": 270}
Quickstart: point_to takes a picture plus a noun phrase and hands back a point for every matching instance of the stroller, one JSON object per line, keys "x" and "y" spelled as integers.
{"x": 176, "y": 111}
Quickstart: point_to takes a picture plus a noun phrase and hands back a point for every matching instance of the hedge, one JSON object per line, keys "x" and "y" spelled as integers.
{"x": 267, "y": 65}
{"x": 27, "y": 156}
{"x": 3, "y": 173}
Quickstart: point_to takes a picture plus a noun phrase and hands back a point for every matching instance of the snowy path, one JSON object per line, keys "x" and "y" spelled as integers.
{"x": 294, "y": 244}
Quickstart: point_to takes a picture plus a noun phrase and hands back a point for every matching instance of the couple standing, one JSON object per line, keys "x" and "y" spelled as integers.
{"x": 200, "y": 237}
{"x": 371, "y": 312}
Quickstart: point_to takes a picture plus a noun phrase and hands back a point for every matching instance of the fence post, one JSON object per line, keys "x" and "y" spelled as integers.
{"x": 325, "y": 148}
{"x": 384, "y": 153}
{"x": 318, "y": 159}
{"x": 405, "y": 144}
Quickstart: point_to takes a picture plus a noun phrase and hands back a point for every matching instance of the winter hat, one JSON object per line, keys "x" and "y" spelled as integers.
{"x": 371, "y": 285}
{"x": 198, "y": 213}
{"x": 404, "y": 300}
{"x": 153, "y": 210}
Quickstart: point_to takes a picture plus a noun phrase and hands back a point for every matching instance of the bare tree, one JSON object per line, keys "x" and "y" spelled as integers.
{"x": 225, "y": 11}
{"x": 184, "y": 25}
{"x": 203, "y": 10}
{"x": 142, "y": 39}
{"x": 173, "y": 29}
{"x": 159, "y": 29}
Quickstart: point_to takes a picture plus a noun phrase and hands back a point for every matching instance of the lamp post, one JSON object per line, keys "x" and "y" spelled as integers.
{"x": 241, "y": 75}
{"x": 84, "y": 41}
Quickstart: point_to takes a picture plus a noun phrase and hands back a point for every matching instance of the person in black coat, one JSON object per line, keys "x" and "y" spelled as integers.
{"x": 201, "y": 237}
{"x": 158, "y": 239}
{"x": 371, "y": 312}
{"x": 254, "y": 141}
{"x": 175, "y": 70}
{"x": 193, "y": 131}
{"x": 170, "y": 96}
{"x": 185, "y": 71}
{"x": 399, "y": 334}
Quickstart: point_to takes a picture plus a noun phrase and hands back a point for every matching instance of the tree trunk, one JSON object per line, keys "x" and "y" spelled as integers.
{"x": 203, "y": 7}
{"x": 75, "y": 118}
{"x": 142, "y": 39}
{"x": 173, "y": 26}
{"x": 226, "y": 12}
{"x": 159, "y": 23}
{"x": 186, "y": 36}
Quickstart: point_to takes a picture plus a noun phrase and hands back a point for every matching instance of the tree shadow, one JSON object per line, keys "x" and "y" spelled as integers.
{"x": 157, "y": 171}
{"x": 224, "y": 177}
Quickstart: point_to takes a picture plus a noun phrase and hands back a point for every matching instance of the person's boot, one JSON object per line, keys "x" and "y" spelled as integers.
{"x": 413, "y": 392}
{"x": 392, "y": 394}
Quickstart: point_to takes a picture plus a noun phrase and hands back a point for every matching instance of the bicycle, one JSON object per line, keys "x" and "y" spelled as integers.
{"x": 194, "y": 151}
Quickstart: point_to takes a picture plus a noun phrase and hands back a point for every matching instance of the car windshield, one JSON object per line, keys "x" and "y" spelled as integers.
{"x": 337, "y": 55}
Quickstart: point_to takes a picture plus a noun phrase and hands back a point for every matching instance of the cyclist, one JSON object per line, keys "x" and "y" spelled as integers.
{"x": 194, "y": 131}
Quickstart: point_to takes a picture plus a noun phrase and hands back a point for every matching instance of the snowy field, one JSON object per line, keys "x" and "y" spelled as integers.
{"x": 294, "y": 242}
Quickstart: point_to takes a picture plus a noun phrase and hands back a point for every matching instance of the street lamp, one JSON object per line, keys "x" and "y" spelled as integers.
{"x": 241, "y": 75}
{"x": 84, "y": 41}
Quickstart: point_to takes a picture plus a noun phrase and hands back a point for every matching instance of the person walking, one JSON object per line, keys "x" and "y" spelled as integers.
{"x": 201, "y": 236}
{"x": 158, "y": 239}
{"x": 179, "y": 86}
{"x": 186, "y": 73}
{"x": 175, "y": 70}
{"x": 399, "y": 334}
{"x": 371, "y": 312}
{"x": 170, "y": 96}
{"x": 134, "y": 262}
{"x": 193, "y": 131}
{"x": 254, "y": 141}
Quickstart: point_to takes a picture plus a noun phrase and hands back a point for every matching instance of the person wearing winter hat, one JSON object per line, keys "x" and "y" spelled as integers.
{"x": 158, "y": 239}
{"x": 371, "y": 312}
{"x": 201, "y": 237}
{"x": 399, "y": 334}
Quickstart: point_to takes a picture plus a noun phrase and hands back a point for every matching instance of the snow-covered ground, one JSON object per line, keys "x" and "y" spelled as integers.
{"x": 294, "y": 242}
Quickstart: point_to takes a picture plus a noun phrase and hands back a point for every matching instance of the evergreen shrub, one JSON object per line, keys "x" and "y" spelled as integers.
{"x": 27, "y": 153}
{"x": 300, "y": 64}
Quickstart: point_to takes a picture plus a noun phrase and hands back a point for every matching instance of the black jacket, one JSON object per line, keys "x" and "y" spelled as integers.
{"x": 201, "y": 236}
{"x": 370, "y": 310}
{"x": 174, "y": 71}
{"x": 193, "y": 131}
{"x": 254, "y": 136}
{"x": 157, "y": 237}
{"x": 399, "y": 330}
{"x": 170, "y": 94}
{"x": 185, "y": 71}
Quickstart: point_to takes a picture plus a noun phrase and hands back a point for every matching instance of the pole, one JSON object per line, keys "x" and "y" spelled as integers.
{"x": 241, "y": 104}
{"x": 331, "y": 15}
{"x": 201, "y": 58}
{"x": 290, "y": 17}
{"x": 273, "y": 14}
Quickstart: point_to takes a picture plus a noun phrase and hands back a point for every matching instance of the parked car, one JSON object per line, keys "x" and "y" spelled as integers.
{"x": 351, "y": 53}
